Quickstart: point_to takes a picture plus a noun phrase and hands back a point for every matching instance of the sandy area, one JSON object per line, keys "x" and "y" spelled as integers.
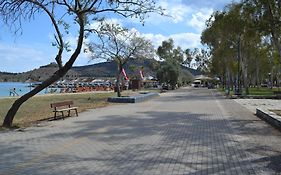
{"x": 252, "y": 104}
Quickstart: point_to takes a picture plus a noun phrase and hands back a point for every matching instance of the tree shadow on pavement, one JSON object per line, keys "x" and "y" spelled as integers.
{"x": 155, "y": 142}
{"x": 148, "y": 143}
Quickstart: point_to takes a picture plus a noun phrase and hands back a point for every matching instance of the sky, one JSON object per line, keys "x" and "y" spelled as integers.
{"x": 33, "y": 48}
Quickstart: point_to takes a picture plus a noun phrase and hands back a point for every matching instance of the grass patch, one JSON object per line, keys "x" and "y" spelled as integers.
{"x": 254, "y": 91}
{"x": 38, "y": 107}
{"x": 260, "y": 91}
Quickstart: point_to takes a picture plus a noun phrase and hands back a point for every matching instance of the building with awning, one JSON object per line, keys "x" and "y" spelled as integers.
{"x": 202, "y": 81}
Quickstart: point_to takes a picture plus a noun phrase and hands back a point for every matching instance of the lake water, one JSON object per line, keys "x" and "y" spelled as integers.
{"x": 20, "y": 88}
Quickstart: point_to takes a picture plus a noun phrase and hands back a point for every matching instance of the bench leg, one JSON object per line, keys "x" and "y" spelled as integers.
{"x": 76, "y": 112}
{"x": 62, "y": 115}
{"x": 68, "y": 113}
{"x": 55, "y": 115}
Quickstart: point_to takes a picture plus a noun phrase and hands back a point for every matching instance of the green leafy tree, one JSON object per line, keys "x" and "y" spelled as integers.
{"x": 168, "y": 73}
{"x": 172, "y": 59}
{"x": 266, "y": 17}
{"x": 241, "y": 39}
{"x": 120, "y": 45}
{"x": 64, "y": 15}
{"x": 231, "y": 37}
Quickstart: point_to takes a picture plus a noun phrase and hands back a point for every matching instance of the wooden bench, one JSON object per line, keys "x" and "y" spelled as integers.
{"x": 63, "y": 106}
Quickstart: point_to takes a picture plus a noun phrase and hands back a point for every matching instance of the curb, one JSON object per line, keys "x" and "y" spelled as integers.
{"x": 133, "y": 99}
{"x": 269, "y": 117}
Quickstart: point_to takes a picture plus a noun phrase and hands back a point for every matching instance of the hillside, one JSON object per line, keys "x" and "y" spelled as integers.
{"x": 39, "y": 74}
{"x": 109, "y": 69}
{"x": 106, "y": 69}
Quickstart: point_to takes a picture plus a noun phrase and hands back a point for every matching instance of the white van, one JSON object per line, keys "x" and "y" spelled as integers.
{"x": 196, "y": 83}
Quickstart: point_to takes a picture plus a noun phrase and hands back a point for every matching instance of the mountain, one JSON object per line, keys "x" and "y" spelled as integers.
{"x": 194, "y": 72}
{"x": 39, "y": 74}
{"x": 109, "y": 69}
{"x": 105, "y": 69}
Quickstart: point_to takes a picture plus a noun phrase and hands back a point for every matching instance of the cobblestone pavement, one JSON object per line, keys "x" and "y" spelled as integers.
{"x": 188, "y": 131}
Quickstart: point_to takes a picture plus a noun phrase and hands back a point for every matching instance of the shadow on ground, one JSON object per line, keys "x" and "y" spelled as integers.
{"x": 156, "y": 142}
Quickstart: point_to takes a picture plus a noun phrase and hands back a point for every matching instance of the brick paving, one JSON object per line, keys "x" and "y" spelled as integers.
{"x": 188, "y": 131}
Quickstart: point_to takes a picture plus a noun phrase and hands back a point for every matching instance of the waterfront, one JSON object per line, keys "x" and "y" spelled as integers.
{"x": 8, "y": 89}
{"x": 19, "y": 87}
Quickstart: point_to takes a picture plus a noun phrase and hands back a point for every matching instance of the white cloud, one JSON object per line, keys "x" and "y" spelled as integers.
{"x": 175, "y": 12}
{"x": 199, "y": 18}
{"x": 18, "y": 58}
{"x": 184, "y": 26}
{"x": 179, "y": 12}
{"x": 97, "y": 24}
{"x": 184, "y": 40}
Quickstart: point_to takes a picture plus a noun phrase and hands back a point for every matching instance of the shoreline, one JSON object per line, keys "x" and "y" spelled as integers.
{"x": 54, "y": 94}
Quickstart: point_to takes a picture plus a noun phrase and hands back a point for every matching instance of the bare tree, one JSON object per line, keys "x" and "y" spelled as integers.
{"x": 62, "y": 13}
{"x": 120, "y": 45}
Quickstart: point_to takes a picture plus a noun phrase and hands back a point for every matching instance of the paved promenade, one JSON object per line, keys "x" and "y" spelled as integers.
{"x": 188, "y": 131}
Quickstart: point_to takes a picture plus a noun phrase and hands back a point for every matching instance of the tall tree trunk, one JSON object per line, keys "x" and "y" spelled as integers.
{"x": 118, "y": 89}
{"x": 257, "y": 71}
{"x": 239, "y": 55}
{"x": 245, "y": 76}
{"x": 227, "y": 81}
{"x": 246, "y": 80}
{"x": 273, "y": 30}
{"x": 277, "y": 45}
{"x": 8, "y": 121}
{"x": 224, "y": 80}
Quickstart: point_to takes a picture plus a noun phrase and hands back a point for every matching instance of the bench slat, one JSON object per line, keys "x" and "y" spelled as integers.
{"x": 58, "y": 107}
{"x": 66, "y": 109}
{"x": 60, "y": 104}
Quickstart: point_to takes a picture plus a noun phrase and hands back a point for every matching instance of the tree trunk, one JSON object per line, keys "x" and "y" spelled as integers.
{"x": 118, "y": 85}
{"x": 246, "y": 82}
{"x": 277, "y": 45}
{"x": 273, "y": 30}
{"x": 228, "y": 81}
{"x": 257, "y": 65}
{"x": 8, "y": 121}
{"x": 239, "y": 90}
{"x": 118, "y": 89}
{"x": 245, "y": 76}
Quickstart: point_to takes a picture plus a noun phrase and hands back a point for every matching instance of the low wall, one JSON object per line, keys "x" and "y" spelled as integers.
{"x": 133, "y": 99}
{"x": 269, "y": 117}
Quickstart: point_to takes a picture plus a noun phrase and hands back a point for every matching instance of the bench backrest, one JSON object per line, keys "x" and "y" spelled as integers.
{"x": 60, "y": 104}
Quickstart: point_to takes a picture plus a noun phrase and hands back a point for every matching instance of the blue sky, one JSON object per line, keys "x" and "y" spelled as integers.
{"x": 33, "y": 49}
